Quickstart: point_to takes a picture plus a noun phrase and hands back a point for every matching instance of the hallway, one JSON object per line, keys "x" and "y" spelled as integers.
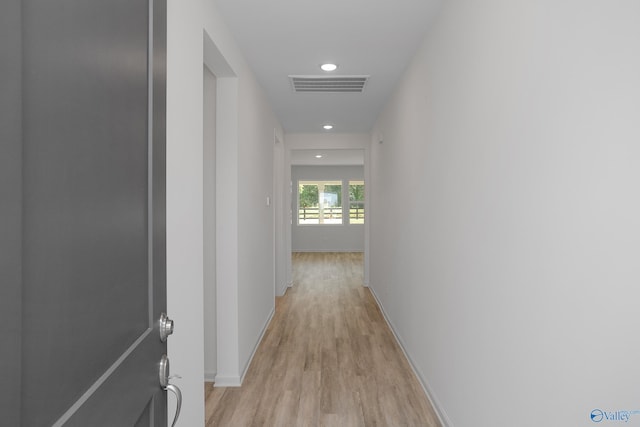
{"x": 327, "y": 359}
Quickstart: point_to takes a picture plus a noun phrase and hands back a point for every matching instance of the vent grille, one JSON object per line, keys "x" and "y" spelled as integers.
{"x": 333, "y": 84}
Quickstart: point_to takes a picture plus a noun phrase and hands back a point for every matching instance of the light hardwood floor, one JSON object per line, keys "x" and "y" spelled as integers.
{"x": 327, "y": 359}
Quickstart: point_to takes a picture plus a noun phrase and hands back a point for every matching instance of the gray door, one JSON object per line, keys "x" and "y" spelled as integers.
{"x": 82, "y": 230}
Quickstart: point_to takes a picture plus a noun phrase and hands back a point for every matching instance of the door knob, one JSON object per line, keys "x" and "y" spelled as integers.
{"x": 166, "y": 327}
{"x": 164, "y": 383}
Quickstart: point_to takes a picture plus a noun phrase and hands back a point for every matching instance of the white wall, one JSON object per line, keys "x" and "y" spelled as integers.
{"x": 184, "y": 205}
{"x": 256, "y": 286}
{"x": 343, "y": 237}
{"x": 248, "y": 129}
{"x": 281, "y": 218}
{"x": 327, "y": 140}
{"x": 513, "y": 279}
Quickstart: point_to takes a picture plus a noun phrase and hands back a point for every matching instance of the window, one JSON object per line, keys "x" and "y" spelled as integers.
{"x": 320, "y": 202}
{"x": 356, "y": 202}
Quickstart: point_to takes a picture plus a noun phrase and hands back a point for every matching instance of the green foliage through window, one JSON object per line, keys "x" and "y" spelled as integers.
{"x": 356, "y": 202}
{"x": 308, "y": 195}
{"x": 320, "y": 202}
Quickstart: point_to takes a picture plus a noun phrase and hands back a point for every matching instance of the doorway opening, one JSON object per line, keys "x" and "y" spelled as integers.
{"x": 220, "y": 138}
{"x": 328, "y": 202}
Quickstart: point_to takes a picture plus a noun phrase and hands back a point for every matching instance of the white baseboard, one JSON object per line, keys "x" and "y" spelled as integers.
{"x": 209, "y": 377}
{"x": 232, "y": 381}
{"x": 283, "y": 289}
{"x": 236, "y": 381}
{"x": 255, "y": 347}
{"x": 435, "y": 403}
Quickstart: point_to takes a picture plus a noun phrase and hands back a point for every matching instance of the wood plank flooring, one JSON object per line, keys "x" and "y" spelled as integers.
{"x": 327, "y": 359}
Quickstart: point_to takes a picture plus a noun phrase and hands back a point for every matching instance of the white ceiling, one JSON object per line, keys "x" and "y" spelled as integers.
{"x": 329, "y": 157}
{"x": 293, "y": 37}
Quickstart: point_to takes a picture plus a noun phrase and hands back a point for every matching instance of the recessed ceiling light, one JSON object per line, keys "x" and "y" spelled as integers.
{"x": 329, "y": 67}
{"x": 318, "y": 156}
{"x": 327, "y": 127}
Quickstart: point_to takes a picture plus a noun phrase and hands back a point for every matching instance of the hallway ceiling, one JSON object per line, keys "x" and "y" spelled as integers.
{"x": 282, "y": 38}
{"x": 309, "y": 157}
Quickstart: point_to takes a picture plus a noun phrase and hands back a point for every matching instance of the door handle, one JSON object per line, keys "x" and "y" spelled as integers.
{"x": 174, "y": 388}
{"x": 164, "y": 383}
{"x": 166, "y": 327}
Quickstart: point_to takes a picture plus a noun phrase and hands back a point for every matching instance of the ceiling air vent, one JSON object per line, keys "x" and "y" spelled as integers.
{"x": 333, "y": 84}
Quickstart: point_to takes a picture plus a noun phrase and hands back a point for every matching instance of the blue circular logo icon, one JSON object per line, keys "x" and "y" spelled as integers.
{"x": 597, "y": 415}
